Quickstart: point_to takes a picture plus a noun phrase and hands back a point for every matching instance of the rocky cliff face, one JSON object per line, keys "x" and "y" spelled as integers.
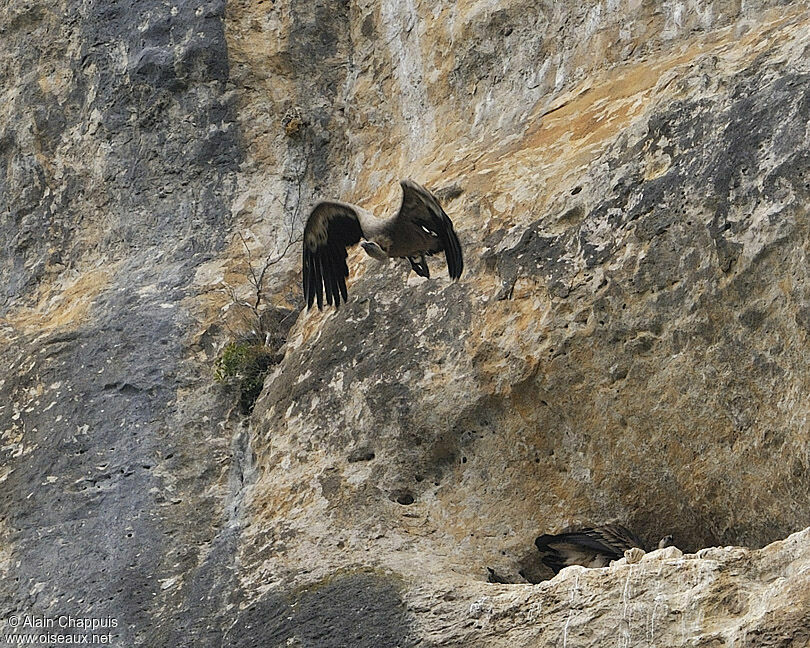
{"x": 630, "y": 183}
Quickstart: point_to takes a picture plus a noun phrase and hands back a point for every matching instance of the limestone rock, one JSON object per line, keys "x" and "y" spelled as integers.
{"x": 630, "y": 182}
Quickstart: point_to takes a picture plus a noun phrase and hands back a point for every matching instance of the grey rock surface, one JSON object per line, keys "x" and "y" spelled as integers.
{"x": 119, "y": 155}
{"x": 628, "y": 342}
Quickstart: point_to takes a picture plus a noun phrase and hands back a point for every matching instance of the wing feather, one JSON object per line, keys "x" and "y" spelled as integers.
{"x": 421, "y": 207}
{"x": 331, "y": 228}
{"x": 318, "y": 284}
{"x": 609, "y": 541}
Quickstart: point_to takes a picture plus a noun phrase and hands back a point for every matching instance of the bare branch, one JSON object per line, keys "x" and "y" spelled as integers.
{"x": 255, "y": 281}
{"x": 293, "y": 231}
{"x": 289, "y": 235}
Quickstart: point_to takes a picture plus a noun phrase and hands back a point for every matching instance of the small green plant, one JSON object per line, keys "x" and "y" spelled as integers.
{"x": 244, "y": 365}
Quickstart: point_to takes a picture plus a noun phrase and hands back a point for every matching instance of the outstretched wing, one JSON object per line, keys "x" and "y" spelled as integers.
{"x": 421, "y": 208}
{"x": 611, "y": 540}
{"x": 617, "y": 537}
{"x": 331, "y": 228}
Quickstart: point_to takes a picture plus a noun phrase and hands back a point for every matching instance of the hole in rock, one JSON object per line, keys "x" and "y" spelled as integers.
{"x": 361, "y": 454}
{"x": 403, "y": 497}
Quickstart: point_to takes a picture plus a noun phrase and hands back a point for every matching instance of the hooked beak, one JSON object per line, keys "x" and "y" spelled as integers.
{"x": 374, "y": 250}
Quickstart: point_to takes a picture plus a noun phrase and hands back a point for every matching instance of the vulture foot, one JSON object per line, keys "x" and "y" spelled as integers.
{"x": 419, "y": 265}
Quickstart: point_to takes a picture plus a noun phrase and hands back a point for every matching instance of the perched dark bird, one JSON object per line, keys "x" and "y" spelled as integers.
{"x": 589, "y": 546}
{"x": 420, "y": 228}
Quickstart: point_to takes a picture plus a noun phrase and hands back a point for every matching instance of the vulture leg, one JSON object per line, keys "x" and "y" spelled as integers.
{"x": 419, "y": 266}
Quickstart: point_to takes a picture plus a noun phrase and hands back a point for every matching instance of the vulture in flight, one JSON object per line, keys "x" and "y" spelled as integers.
{"x": 589, "y": 547}
{"x": 419, "y": 228}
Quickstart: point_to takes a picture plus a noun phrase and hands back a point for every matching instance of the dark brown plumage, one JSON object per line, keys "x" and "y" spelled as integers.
{"x": 589, "y": 546}
{"x": 420, "y": 228}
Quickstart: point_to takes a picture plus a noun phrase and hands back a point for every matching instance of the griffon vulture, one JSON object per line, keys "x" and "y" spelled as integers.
{"x": 589, "y": 547}
{"x": 419, "y": 228}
